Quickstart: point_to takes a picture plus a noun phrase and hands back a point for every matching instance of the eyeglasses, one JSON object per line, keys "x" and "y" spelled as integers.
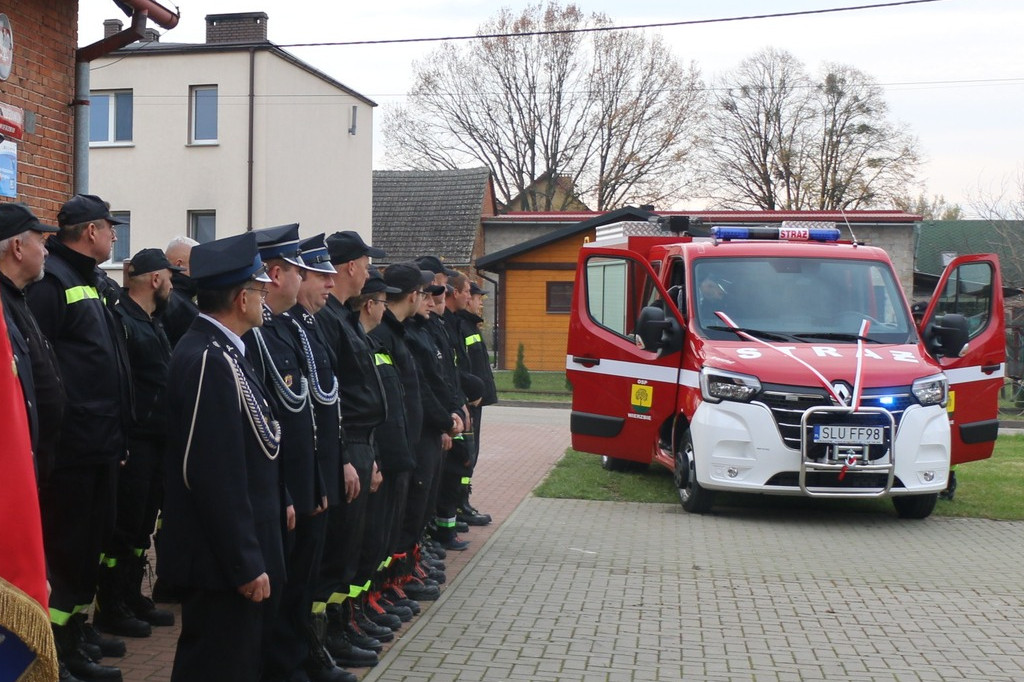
{"x": 379, "y": 300}
{"x": 262, "y": 292}
{"x": 420, "y": 292}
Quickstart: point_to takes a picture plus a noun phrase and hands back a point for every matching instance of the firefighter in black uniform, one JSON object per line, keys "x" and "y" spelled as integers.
{"x": 78, "y": 499}
{"x": 224, "y": 514}
{"x": 470, "y": 320}
{"x": 361, "y": 400}
{"x": 22, "y": 252}
{"x": 139, "y": 488}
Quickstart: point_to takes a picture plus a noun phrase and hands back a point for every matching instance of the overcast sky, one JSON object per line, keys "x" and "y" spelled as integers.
{"x": 952, "y": 69}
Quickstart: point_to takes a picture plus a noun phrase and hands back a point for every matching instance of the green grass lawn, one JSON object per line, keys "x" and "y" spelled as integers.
{"x": 544, "y": 387}
{"x": 992, "y": 489}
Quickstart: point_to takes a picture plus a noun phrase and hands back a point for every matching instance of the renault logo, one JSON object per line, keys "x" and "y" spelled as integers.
{"x": 842, "y": 389}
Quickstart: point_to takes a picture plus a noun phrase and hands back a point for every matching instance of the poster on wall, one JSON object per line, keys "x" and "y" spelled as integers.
{"x": 9, "y": 169}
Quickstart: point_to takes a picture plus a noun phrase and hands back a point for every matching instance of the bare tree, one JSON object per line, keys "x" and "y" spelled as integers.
{"x": 782, "y": 140}
{"x": 936, "y": 208}
{"x": 613, "y": 114}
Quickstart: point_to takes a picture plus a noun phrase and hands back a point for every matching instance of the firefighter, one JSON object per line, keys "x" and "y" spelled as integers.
{"x": 78, "y": 499}
{"x": 181, "y": 307}
{"x": 221, "y": 543}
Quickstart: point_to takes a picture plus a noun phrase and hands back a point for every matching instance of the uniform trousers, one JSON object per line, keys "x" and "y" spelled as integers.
{"x": 381, "y": 520}
{"x": 139, "y": 496}
{"x": 422, "y": 490}
{"x": 221, "y": 637}
{"x": 346, "y": 525}
{"x": 78, "y": 505}
{"x": 457, "y": 466}
{"x": 288, "y": 646}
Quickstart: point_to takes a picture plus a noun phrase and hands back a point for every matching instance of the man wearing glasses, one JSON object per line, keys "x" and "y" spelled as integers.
{"x": 78, "y": 500}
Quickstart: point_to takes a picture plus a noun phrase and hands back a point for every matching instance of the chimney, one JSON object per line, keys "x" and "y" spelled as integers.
{"x": 112, "y": 27}
{"x": 151, "y": 35}
{"x": 240, "y": 27}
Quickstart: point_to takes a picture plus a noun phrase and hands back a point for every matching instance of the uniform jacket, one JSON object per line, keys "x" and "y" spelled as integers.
{"x": 278, "y": 363}
{"x": 435, "y": 395}
{"x": 396, "y": 440}
{"x": 361, "y": 393}
{"x": 149, "y": 354}
{"x": 222, "y": 512}
{"x": 477, "y": 355}
{"x": 72, "y": 315}
{"x": 181, "y": 309}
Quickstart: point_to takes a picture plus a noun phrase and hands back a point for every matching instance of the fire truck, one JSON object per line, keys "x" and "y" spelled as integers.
{"x": 781, "y": 360}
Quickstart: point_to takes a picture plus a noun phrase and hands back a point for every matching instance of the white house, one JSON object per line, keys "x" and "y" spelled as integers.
{"x": 209, "y": 140}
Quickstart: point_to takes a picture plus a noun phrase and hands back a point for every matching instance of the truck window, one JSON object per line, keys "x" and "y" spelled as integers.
{"x": 616, "y": 290}
{"x": 799, "y": 297}
{"x": 969, "y": 293}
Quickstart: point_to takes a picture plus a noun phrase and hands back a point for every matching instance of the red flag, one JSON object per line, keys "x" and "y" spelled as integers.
{"x": 21, "y": 541}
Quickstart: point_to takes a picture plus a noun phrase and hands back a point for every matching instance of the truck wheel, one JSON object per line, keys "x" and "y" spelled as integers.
{"x": 694, "y": 497}
{"x": 915, "y": 506}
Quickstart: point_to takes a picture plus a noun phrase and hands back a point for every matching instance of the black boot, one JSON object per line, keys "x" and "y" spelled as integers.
{"x": 376, "y": 613}
{"x": 320, "y": 666}
{"x": 381, "y": 633}
{"x": 469, "y": 514}
{"x": 344, "y": 652}
{"x": 63, "y": 675}
{"x": 76, "y": 661}
{"x": 112, "y": 613}
{"x": 139, "y": 604}
{"x": 341, "y": 616}
{"x": 95, "y": 645}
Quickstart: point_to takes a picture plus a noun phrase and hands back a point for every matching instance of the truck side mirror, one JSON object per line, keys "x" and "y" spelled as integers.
{"x": 657, "y": 332}
{"x": 947, "y": 335}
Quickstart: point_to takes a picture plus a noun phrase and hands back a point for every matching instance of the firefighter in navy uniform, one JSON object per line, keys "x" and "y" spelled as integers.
{"x": 78, "y": 499}
{"x": 224, "y": 515}
{"x": 139, "y": 492}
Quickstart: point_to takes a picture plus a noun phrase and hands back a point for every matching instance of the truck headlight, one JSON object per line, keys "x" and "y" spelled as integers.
{"x": 931, "y": 390}
{"x": 718, "y": 384}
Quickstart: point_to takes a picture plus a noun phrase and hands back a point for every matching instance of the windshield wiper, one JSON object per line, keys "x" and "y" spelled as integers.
{"x": 773, "y": 336}
{"x": 836, "y": 336}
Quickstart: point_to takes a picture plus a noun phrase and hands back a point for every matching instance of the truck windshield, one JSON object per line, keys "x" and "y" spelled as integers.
{"x": 805, "y": 298}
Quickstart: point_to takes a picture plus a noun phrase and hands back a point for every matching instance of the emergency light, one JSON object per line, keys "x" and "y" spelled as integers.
{"x": 788, "y": 231}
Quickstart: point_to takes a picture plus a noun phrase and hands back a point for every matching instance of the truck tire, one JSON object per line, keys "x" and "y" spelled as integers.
{"x": 915, "y": 506}
{"x": 694, "y": 497}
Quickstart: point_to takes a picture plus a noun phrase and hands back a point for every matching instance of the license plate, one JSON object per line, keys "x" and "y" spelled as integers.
{"x": 852, "y": 435}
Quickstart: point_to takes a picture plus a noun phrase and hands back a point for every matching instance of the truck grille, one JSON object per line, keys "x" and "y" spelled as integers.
{"x": 788, "y": 403}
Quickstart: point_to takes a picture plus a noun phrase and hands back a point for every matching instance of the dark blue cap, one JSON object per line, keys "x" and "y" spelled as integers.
{"x": 348, "y": 245}
{"x": 279, "y": 242}
{"x": 315, "y": 255}
{"x": 375, "y": 283}
{"x": 17, "y": 218}
{"x": 84, "y": 208}
{"x": 407, "y": 277}
{"x": 434, "y": 264}
{"x": 224, "y": 263}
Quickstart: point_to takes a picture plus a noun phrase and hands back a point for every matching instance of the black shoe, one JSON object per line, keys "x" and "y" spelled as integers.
{"x": 404, "y": 613}
{"x": 376, "y": 613}
{"x": 84, "y": 668}
{"x": 381, "y": 633}
{"x": 143, "y": 608}
{"x": 432, "y": 548}
{"x": 436, "y": 564}
{"x": 117, "y": 619}
{"x": 454, "y": 544}
{"x": 95, "y": 645}
{"x": 63, "y": 675}
{"x": 346, "y": 654}
{"x": 461, "y": 527}
{"x": 319, "y": 666}
{"x": 473, "y": 519}
{"x": 419, "y": 591}
{"x": 362, "y": 640}
{"x": 397, "y": 596}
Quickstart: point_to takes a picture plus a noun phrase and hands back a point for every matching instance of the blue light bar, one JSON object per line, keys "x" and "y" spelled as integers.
{"x": 788, "y": 232}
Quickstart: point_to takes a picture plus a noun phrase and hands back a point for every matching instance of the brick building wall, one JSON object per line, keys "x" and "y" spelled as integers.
{"x": 42, "y": 82}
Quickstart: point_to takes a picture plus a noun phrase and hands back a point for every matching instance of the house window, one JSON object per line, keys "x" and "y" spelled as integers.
{"x": 110, "y": 117}
{"x": 122, "y": 250}
{"x": 559, "y": 297}
{"x": 202, "y": 226}
{"x": 203, "y": 114}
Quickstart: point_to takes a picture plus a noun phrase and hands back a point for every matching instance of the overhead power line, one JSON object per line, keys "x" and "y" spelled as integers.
{"x": 596, "y": 29}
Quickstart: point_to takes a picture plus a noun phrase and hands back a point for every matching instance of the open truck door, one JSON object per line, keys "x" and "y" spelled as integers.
{"x": 968, "y": 304}
{"x": 624, "y": 355}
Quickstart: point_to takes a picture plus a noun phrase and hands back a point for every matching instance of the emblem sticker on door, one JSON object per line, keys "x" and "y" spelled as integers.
{"x": 641, "y": 398}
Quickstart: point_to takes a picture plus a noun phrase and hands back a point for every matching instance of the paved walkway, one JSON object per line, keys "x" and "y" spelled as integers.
{"x": 567, "y": 590}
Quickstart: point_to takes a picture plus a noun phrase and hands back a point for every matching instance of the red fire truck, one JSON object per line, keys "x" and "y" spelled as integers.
{"x": 782, "y": 360}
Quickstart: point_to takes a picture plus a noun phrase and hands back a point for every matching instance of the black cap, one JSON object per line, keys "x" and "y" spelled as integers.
{"x": 279, "y": 242}
{"x": 224, "y": 263}
{"x": 348, "y": 245}
{"x": 435, "y": 289}
{"x": 434, "y": 264}
{"x": 472, "y": 386}
{"x": 475, "y": 290}
{"x": 16, "y": 218}
{"x": 150, "y": 260}
{"x": 376, "y": 284}
{"x": 83, "y": 208}
{"x": 406, "y": 277}
{"x": 315, "y": 256}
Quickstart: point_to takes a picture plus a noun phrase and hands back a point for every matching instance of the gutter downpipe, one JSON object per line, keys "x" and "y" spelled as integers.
{"x": 251, "y": 144}
{"x": 83, "y": 56}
